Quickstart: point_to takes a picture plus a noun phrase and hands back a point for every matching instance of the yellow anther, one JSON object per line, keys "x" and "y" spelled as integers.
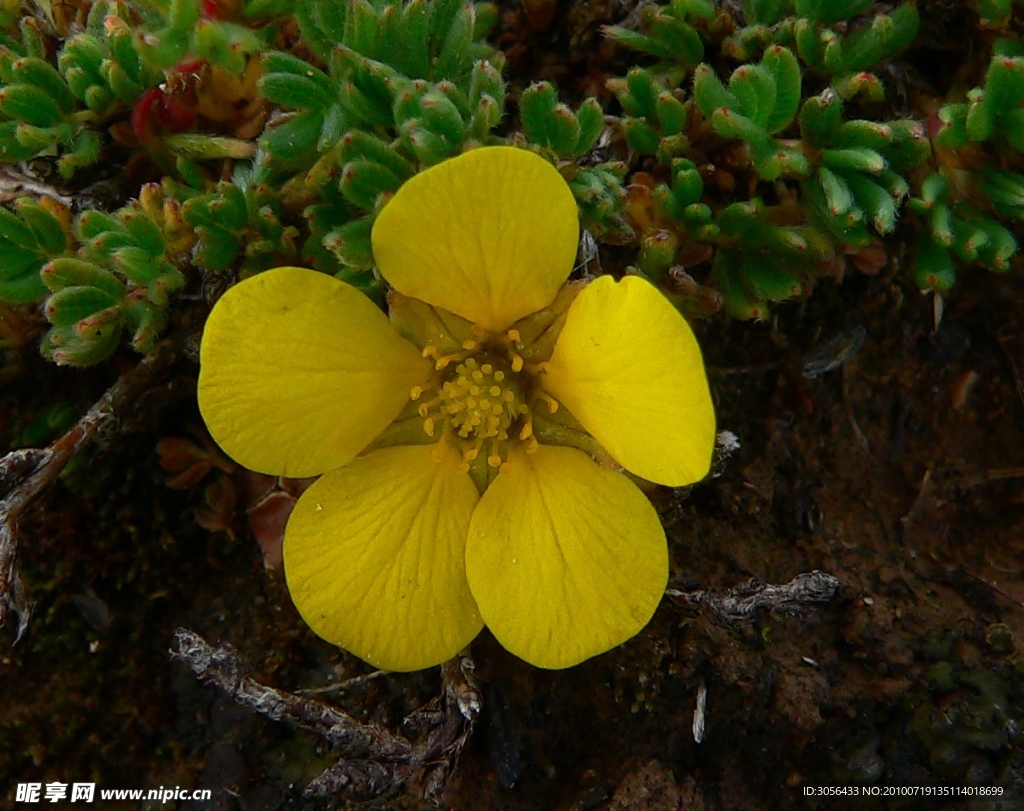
{"x": 429, "y": 351}
{"x": 517, "y": 363}
{"x": 513, "y": 335}
{"x": 551, "y": 401}
{"x": 481, "y": 401}
{"x": 532, "y": 444}
{"x": 469, "y": 343}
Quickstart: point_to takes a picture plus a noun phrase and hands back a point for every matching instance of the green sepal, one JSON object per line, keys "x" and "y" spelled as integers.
{"x": 442, "y": 116}
{"x": 657, "y": 253}
{"x": 536, "y": 109}
{"x": 1004, "y": 83}
{"x": 893, "y": 183}
{"x": 85, "y": 151}
{"x": 863, "y": 134}
{"x": 227, "y": 207}
{"x": 770, "y": 281}
{"x": 91, "y": 224}
{"x": 910, "y": 145}
{"x": 486, "y": 116}
{"x": 709, "y": 92}
{"x": 68, "y": 271}
{"x": 687, "y": 183}
{"x": 293, "y": 139}
{"x": 854, "y": 158}
{"x": 832, "y": 56}
{"x": 671, "y": 113}
{"x": 640, "y": 136}
{"x": 47, "y": 229}
{"x": 773, "y": 160}
{"x": 454, "y": 56}
{"x": 1004, "y": 186}
{"x": 11, "y": 149}
{"x": 67, "y": 346}
{"x": 641, "y": 92}
{"x": 952, "y": 133}
{"x": 820, "y": 119}
{"x": 981, "y": 116}
{"x": 43, "y": 139}
{"x": 786, "y": 71}
{"x": 70, "y": 305}
{"x": 144, "y": 233}
{"x": 838, "y": 194}
{"x": 809, "y": 44}
{"x": 590, "y": 117}
{"x": 30, "y": 104}
{"x": 216, "y": 250}
{"x": 934, "y": 266}
{"x": 16, "y": 230}
{"x": 680, "y": 38}
{"x": 138, "y": 265}
{"x": 359, "y": 144}
{"x": 1000, "y": 246}
{"x": 763, "y": 12}
{"x": 827, "y": 12}
{"x": 485, "y": 82}
{"x": 754, "y": 89}
{"x": 730, "y": 124}
{"x": 363, "y": 181}
{"x": 146, "y": 321}
{"x": 877, "y": 203}
{"x": 42, "y": 75}
{"x": 22, "y": 290}
{"x": 866, "y": 85}
{"x": 727, "y": 275}
{"x": 297, "y": 92}
{"x": 934, "y": 189}
{"x": 350, "y": 243}
{"x": 414, "y": 30}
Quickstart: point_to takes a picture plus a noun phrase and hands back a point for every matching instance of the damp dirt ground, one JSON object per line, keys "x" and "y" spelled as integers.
{"x": 901, "y": 473}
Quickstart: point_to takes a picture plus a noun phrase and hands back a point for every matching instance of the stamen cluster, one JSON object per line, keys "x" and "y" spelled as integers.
{"x": 484, "y": 401}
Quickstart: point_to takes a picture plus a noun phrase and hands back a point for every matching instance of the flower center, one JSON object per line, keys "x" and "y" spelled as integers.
{"x": 480, "y": 404}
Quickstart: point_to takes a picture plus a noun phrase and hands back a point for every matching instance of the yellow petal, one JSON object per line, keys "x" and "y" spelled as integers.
{"x": 628, "y": 367}
{"x": 565, "y": 559}
{"x": 299, "y": 371}
{"x": 374, "y": 556}
{"x": 489, "y": 235}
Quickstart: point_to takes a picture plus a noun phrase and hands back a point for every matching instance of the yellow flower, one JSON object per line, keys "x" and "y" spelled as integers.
{"x": 471, "y": 448}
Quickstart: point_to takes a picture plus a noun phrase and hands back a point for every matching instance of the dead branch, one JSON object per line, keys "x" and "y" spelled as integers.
{"x": 742, "y": 604}
{"x": 25, "y": 475}
{"x": 374, "y": 761}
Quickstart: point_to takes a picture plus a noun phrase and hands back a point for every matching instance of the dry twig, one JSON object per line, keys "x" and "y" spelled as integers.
{"x": 374, "y": 761}
{"x": 743, "y": 603}
{"x": 25, "y": 475}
